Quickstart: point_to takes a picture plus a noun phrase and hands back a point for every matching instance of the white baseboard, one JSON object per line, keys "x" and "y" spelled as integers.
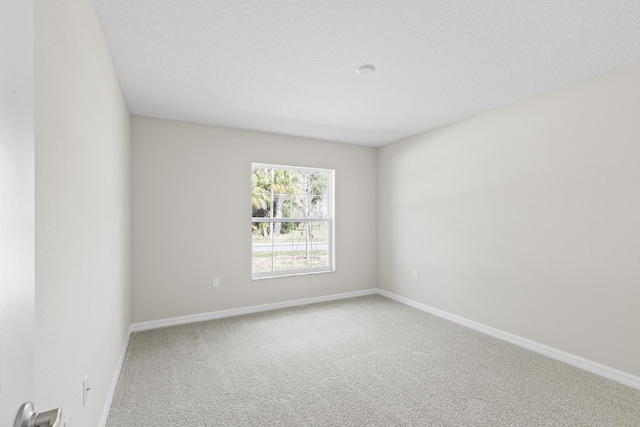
{"x": 579, "y": 362}
{"x": 114, "y": 381}
{"x": 143, "y": 326}
{"x": 587, "y": 365}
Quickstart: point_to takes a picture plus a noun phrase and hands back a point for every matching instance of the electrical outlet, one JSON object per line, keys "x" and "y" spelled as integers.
{"x": 216, "y": 282}
{"x": 415, "y": 274}
{"x": 85, "y": 389}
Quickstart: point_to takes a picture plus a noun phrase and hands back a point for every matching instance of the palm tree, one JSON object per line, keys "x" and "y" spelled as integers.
{"x": 260, "y": 197}
{"x": 260, "y": 189}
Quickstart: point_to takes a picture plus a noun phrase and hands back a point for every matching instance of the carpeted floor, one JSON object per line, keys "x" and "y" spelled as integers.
{"x": 366, "y": 361}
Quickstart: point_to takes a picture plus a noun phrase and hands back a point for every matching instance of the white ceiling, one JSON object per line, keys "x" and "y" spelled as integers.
{"x": 288, "y": 67}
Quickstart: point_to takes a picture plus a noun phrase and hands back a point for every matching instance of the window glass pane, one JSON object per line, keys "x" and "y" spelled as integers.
{"x": 320, "y": 232}
{"x": 283, "y": 246}
{"x": 320, "y": 247}
{"x": 261, "y": 260}
{"x": 282, "y": 205}
{"x": 297, "y": 206}
{"x": 318, "y": 207}
{"x": 260, "y": 192}
{"x": 301, "y": 260}
{"x": 311, "y": 246}
{"x": 283, "y": 181}
{"x": 261, "y": 247}
{"x": 260, "y": 232}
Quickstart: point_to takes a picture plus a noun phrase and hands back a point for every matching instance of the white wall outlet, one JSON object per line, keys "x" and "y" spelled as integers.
{"x": 415, "y": 274}
{"x": 216, "y": 282}
{"x": 85, "y": 389}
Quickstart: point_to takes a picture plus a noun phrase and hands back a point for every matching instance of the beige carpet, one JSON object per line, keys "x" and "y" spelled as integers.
{"x": 366, "y": 361}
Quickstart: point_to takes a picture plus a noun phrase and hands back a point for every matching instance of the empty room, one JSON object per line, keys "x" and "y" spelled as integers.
{"x": 220, "y": 213}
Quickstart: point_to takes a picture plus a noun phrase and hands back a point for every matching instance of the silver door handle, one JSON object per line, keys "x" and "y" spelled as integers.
{"x": 27, "y": 417}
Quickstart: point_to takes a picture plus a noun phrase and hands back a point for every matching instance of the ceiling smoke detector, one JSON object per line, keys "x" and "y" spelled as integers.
{"x": 365, "y": 69}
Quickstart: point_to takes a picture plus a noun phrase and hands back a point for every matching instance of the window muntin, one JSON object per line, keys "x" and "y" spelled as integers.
{"x": 292, "y": 220}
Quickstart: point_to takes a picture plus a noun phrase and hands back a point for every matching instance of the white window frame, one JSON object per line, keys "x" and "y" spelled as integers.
{"x": 330, "y": 221}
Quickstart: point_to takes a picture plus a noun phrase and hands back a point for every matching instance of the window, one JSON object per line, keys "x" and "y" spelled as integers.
{"x": 292, "y": 221}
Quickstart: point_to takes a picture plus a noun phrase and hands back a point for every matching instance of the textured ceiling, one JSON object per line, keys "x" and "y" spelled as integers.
{"x": 288, "y": 67}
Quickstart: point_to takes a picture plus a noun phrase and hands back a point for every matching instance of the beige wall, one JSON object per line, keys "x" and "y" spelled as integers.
{"x": 526, "y": 219}
{"x": 191, "y": 190}
{"x": 82, "y": 211}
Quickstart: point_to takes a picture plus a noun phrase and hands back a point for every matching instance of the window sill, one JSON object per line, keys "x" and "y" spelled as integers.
{"x": 302, "y": 273}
